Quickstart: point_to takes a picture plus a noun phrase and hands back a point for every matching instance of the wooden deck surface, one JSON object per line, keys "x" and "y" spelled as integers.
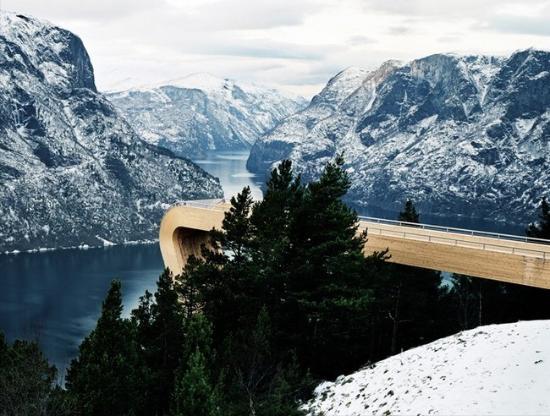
{"x": 184, "y": 228}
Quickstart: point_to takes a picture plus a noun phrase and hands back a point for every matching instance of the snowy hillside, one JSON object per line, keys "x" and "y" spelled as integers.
{"x": 201, "y": 112}
{"x": 72, "y": 170}
{"x": 466, "y": 135}
{"x": 491, "y": 370}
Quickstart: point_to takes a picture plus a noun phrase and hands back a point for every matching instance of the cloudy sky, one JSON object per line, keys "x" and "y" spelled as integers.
{"x": 295, "y": 45}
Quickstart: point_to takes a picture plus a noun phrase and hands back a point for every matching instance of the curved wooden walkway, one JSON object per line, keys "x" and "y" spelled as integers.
{"x": 502, "y": 257}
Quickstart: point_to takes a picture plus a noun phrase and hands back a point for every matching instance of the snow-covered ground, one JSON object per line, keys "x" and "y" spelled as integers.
{"x": 491, "y": 370}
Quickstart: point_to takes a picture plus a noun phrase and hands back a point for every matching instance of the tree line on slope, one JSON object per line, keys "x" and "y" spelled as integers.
{"x": 282, "y": 299}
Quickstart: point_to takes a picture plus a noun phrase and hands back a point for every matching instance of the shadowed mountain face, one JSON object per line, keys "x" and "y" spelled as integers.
{"x": 466, "y": 135}
{"x": 201, "y": 112}
{"x": 72, "y": 171}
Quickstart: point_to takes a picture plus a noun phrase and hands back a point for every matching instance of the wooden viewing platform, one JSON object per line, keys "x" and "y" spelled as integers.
{"x": 507, "y": 258}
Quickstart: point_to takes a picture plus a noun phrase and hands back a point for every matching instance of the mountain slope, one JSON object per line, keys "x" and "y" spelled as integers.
{"x": 465, "y": 135}
{"x": 201, "y": 112}
{"x": 72, "y": 171}
{"x": 491, "y": 370}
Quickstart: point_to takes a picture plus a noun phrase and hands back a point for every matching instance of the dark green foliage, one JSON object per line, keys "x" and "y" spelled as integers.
{"x": 106, "y": 376}
{"x": 541, "y": 229}
{"x": 26, "y": 380}
{"x": 259, "y": 379}
{"x": 289, "y": 293}
{"x": 236, "y": 225}
{"x": 329, "y": 284}
{"x": 195, "y": 393}
{"x": 159, "y": 324}
{"x": 409, "y": 213}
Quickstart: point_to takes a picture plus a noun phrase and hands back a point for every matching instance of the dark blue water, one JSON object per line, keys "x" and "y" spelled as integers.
{"x": 55, "y": 297}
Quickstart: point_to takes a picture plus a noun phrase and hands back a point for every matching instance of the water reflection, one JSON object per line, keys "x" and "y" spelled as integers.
{"x": 230, "y": 168}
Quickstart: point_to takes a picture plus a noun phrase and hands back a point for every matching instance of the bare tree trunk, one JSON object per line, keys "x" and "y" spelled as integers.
{"x": 480, "y": 306}
{"x": 396, "y": 318}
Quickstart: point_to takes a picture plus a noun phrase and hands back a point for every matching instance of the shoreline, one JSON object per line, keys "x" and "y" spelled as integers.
{"x": 106, "y": 244}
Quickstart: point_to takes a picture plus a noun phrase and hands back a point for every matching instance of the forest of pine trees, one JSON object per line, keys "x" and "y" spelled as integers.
{"x": 284, "y": 299}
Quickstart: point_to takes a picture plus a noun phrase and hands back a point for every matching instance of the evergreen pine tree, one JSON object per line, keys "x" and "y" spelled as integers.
{"x": 26, "y": 379}
{"x": 105, "y": 377}
{"x": 262, "y": 381}
{"x": 236, "y": 234}
{"x": 227, "y": 283}
{"x": 541, "y": 229}
{"x": 329, "y": 284}
{"x": 409, "y": 213}
{"x": 195, "y": 393}
{"x": 160, "y": 333}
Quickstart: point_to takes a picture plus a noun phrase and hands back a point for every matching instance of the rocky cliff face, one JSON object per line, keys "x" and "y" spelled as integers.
{"x": 72, "y": 170}
{"x": 464, "y": 136}
{"x": 201, "y": 112}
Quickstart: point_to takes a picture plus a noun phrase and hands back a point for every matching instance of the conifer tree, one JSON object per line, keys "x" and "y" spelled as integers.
{"x": 409, "y": 213}
{"x": 159, "y": 324}
{"x": 195, "y": 393}
{"x": 541, "y": 229}
{"x": 26, "y": 379}
{"x": 262, "y": 381}
{"x": 105, "y": 377}
{"x": 329, "y": 283}
{"x": 236, "y": 234}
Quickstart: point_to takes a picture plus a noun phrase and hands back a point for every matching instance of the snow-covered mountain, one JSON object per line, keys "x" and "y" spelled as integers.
{"x": 201, "y": 112}
{"x": 461, "y": 135}
{"x": 491, "y": 370}
{"x": 72, "y": 170}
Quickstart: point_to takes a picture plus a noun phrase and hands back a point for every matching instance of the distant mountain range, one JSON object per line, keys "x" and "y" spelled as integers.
{"x": 466, "y": 137}
{"x": 72, "y": 170}
{"x": 200, "y": 112}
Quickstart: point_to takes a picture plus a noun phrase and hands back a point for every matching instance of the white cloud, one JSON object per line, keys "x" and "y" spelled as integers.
{"x": 292, "y": 44}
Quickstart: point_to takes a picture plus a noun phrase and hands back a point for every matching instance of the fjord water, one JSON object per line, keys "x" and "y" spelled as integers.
{"x": 230, "y": 168}
{"x": 55, "y": 297}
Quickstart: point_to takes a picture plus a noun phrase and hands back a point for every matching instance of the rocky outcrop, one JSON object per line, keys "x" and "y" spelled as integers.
{"x": 466, "y": 137}
{"x": 72, "y": 170}
{"x": 200, "y": 112}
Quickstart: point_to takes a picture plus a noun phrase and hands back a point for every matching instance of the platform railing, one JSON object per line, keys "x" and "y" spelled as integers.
{"x": 500, "y": 244}
{"x": 407, "y": 230}
{"x": 212, "y": 204}
{"x": 455, "y": 230}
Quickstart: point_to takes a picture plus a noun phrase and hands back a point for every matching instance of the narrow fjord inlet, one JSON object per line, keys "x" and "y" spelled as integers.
{"x": 55, "y": 296}
{"x": 274, "y": 208}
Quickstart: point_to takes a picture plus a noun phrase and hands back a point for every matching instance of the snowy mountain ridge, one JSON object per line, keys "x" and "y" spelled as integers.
{"x": 490, "y": 370}
{"x": 463, "y": 136}
{"x": 201, "y": 112}
{"x": 72, "y": 170}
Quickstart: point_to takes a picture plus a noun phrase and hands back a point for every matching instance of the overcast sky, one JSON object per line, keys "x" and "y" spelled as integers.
{"x": 295, "y": 45}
